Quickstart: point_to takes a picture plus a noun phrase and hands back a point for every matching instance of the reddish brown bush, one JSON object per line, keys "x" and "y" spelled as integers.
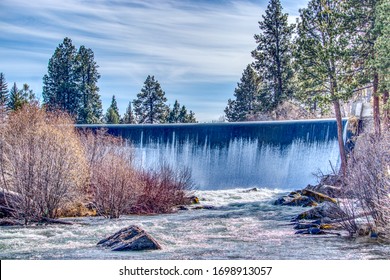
{"x": 162, "y": 189}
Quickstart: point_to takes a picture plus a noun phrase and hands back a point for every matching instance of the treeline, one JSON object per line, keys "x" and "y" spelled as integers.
{"x": 70, "y": 85}
{"x": 335, "y": 49}
{"x": 149, "y": 107}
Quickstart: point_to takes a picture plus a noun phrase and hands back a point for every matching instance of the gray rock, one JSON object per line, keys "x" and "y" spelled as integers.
{"x": 7, "y": 223}
{"x": 329, "y": 190}
{"x": 312, "y": 230}
{"x": 132, "y": 238}
{"x": 324, "y": 210}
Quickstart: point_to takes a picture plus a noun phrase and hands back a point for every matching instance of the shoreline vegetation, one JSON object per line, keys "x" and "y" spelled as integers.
{"x": 49, "y": 169}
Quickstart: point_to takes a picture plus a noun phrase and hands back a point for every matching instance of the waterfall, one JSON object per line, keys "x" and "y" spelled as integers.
{"x": 278, "y": 154}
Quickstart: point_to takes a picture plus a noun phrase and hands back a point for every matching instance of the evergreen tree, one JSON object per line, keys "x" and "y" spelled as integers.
{"x": 129, "y": 117}
{"x": 382, "y": 50}
{"x": 363, "y": 25}
{"x": 273, "y": 56}
{"x": 324, "y": 58}
{"x": 173, "y": 116}
{"x": 3, "y": 96}
{"x": 182, "y": 118}
{"x": 90, "y": 107}
{"x": 28, "y": 95}
{"x": 150, "y": 107}
{"x": 60, "y": 90}
{"x": 3, "y": 90}
{"x": 112, "y": 115}
{"x": 191, "y": 118}
{"x": 17, "y": 98}
{"x": 248, "y": 99}
{"x": 71, "y": 83}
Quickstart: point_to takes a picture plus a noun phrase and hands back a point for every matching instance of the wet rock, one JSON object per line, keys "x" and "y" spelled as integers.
{"x": 313, "y": 230}
{"x": 194, "y": 200}
{"x": 283, "y": 200}
{"x": 251, "y": 190}
{"x": 306, "y": 225}
{"x": 329, "y": 190}
{"x": 182, "y": 208}
{"x": 207, "y": 207}
{"x": 7, "y": 223}
{"x": 132, "y": 238}
{"x": 301, "y": 200}
{"x": 317, "y": 196}
{"x": 324, "y": 210}
{"x": 296, "y": 199}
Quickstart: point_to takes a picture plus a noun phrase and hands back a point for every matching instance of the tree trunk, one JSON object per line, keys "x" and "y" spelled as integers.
{"x": 340, "y": 137}
{"x": 376, "y": 111}
{"x": 386, "y": 110}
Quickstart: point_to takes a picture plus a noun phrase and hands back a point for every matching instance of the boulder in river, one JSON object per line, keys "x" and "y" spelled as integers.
{"x": 131, "y": 238}
{"x": 8, "y": 222}
{"x": 296, "y": 199}
{"x": 317, "y": 196}
{"x": 324, "y": 210}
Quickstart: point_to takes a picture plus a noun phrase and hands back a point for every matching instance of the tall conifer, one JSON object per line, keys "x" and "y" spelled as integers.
{"x": 248, "y": 99}
{"x": 149, "y": 106}
{"x": 273, "y": 55}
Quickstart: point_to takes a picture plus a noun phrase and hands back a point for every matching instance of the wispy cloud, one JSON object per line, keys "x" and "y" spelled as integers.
{"x": 183, "y": 43}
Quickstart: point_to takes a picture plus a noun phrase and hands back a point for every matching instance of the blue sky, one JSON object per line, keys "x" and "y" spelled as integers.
{"x": 197, "y": 50}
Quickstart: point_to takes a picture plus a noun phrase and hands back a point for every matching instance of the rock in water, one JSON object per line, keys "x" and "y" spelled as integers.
{"x": 324, "y": 210}
{"x": 132, "y": 238}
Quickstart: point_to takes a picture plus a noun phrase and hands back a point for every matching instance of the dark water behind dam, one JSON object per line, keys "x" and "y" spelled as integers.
{"x": 278, "y": 154}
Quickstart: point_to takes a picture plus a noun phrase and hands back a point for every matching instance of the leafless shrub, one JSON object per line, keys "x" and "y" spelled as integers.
{"x": 42, "y": 160}
{"x": 115, "y": 184}
{"x": 161, "y": 189}
{"x": 367, "y": 185}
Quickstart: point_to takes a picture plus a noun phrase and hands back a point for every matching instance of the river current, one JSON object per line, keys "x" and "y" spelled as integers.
{"x": 244, "y": 224}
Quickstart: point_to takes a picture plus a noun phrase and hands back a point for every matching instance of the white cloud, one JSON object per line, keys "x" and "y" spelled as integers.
{"x": 180, "y": 42}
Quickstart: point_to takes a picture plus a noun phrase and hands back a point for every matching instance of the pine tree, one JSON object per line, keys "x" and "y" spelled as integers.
{"x": 28, "y": 95}
{"x": 182, "y": 118}
{"x": 173, "y": 116}
{"x": 60, "y": 90}
{"x": 273, "y": 56}
{"x": 17, "y": 98}
{"x": 3, "y": 96}
{"x": 150, "y": 107}
{"x": 382, "y": 58}
{"x": 90, "y": 107}
{"x": 363, "y": 26}
{"x": 112, "y": 115}
{"x": 3, "y": 90}
{"x": 191, "y": 118}
{"x": 324, "y": 59}
{"x": 129, "y": 117}
{"x": 248, "y": 99}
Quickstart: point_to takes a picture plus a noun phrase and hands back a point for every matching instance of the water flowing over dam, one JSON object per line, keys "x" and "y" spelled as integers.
{"x": 278, "y": 154}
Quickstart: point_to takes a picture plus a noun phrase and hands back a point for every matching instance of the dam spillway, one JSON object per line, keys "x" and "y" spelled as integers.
{"x": 277, "y": 154}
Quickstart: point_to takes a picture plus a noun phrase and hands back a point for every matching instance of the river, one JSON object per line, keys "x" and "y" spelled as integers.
{"x": 243, "y": 225}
